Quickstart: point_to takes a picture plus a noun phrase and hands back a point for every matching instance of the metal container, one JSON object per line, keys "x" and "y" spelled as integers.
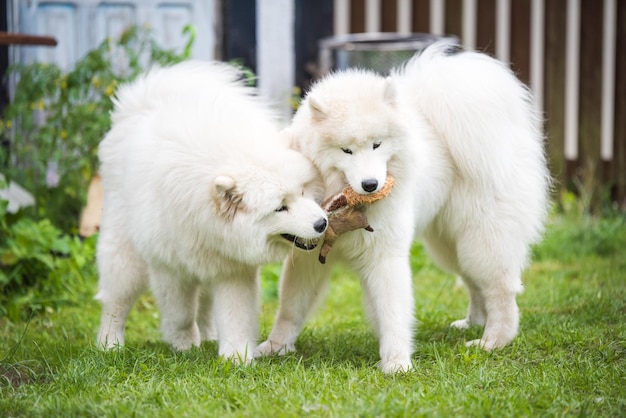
{"x": 379, "y": 52}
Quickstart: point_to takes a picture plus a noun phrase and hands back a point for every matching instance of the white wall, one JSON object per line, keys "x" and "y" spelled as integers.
{"x": 276, "y": 52}
{"x": 81, "y": 25}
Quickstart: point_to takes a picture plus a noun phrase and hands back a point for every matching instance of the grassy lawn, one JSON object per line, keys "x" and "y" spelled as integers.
{"x": 569, "y": 359}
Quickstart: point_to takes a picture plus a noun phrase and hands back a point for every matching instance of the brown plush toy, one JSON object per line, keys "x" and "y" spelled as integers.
{"x": 346, "y": 212}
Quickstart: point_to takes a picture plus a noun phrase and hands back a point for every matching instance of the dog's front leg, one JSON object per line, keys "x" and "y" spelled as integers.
{"x": 389, "y": 304}
{"x": 303, "y": 283}
{"x": 235, "y": 309}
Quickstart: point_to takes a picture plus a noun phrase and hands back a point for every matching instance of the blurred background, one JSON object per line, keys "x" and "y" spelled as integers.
{"x": 571, "y": 53}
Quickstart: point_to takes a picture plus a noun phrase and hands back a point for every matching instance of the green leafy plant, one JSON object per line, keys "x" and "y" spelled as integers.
{"x": 54, "y": 125}
{"x": 40, "y": 267}
{"x": 56, "y": 120}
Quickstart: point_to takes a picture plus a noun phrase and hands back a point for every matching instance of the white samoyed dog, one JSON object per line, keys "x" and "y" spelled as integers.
{"x": 199, "y": 189}
{"x": 463, "y": 140}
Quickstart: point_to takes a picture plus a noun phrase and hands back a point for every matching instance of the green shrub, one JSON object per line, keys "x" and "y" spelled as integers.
{"x": 55, "y": 123}
{"x": 40, "y": 267}
{"x": 56, "y": 120}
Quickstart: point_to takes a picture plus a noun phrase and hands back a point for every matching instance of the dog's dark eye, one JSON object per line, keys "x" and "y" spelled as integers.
{"x": 347, "y": 150}
{"x": 376, "y": 145}
{"x": 283, "y": 208}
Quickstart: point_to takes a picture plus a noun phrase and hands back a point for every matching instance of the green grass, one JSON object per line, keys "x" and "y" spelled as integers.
{"x": 569, "y": 359}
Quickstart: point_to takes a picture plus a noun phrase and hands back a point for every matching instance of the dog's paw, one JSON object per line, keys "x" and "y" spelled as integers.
{"x": 271, "y": 348}
{"x": 244, "y": 358}
{"x": 461, "y": 324}
{"x": 183, "y": 340}
{"x": 396, "y": 365}
{"x": 487, "y": 344}
{"x": 208, "y": 333}
{"x": 107, "y": 344}
{"x": 184, "y": 345}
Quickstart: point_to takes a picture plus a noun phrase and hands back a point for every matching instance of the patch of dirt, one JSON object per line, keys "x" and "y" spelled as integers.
{"x": 14, "y": 375}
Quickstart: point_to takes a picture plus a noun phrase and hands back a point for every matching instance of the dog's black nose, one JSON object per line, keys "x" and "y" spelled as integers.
{"x": 369, "y": 185}
{"x": 320, "y": 225}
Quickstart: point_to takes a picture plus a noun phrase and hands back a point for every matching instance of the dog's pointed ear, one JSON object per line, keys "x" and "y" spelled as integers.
{"x": 226, "y": 197}
{"x": 389, "y": 94}
{"x": 317, "y": 109}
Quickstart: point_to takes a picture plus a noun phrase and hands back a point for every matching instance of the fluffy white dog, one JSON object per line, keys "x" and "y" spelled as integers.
{"x": 464, "y": 142}
{"x": 199, "y": 190}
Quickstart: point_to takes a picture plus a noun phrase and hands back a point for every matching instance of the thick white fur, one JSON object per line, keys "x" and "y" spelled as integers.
{"x": 461, "y": 137}
{"x": 193, "y": 172}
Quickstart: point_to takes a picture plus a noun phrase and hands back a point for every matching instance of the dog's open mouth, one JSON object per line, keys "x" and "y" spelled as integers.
{"x": 303, "y": 244}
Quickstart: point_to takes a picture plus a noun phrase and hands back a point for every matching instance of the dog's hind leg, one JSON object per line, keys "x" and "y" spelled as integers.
{"x": 491, "y": 261}
{"x": 177, "y": 298}
{"x": 122, "y": 278}
{"x": 303, "y": 283}
{"x": 496, "y": 309}
{"x": 502, "y": 319}
{"x": 476, "y": 313}
{"x": 493, "y": 289}
{"x": 206, "y": 318}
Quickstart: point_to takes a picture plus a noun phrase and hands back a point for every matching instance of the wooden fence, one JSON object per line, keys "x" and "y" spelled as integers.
{"x": 572, "y": 54}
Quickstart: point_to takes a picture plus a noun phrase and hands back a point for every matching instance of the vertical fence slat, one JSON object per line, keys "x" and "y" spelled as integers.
{"x": 554, "y": 94}
{"x": 608, "y": 79}
{"x": 572, "y": 62}
{"x": 341, "y": 17}
{"x": 619, "y": 157}
{"x": 537, "y": 36}
{"x": 404, "y": 12}
{"x": 469, "y": 24}
{"x": 437, "y": 16}
{"x": 503, "y": 30}
{"x": 372, "y": 16}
